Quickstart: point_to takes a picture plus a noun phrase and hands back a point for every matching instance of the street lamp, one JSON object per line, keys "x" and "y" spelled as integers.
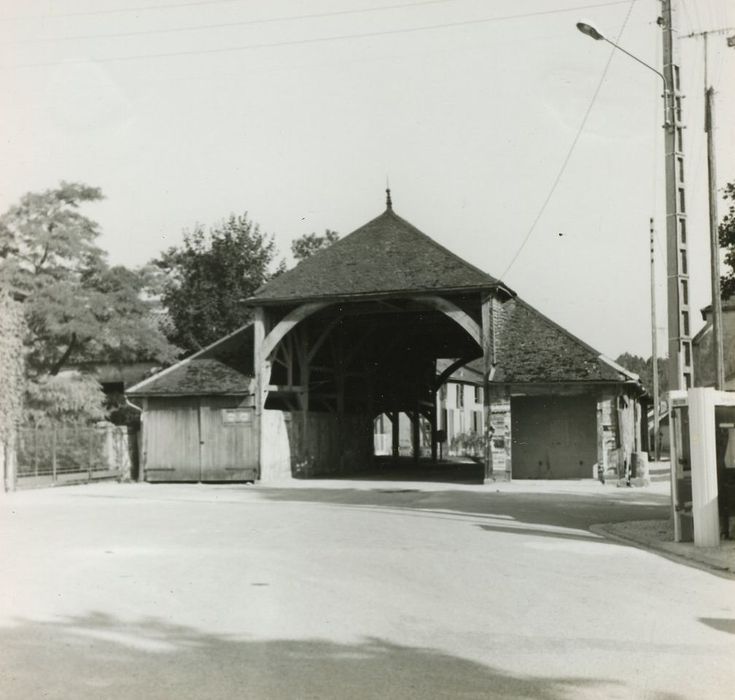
{"x": 676, "y": 245}
{"x": 589, "y": 29}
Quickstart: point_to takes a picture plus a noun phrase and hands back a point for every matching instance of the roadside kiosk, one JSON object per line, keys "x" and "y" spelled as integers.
{"x": 702, "y": 433}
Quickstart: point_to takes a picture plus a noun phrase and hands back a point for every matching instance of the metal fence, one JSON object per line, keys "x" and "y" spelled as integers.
{"x": 59, "y": 454}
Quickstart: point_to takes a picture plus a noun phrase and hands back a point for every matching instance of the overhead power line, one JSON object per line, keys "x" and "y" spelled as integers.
{"x": 121, "y": 10}
{"x": 267, "y": 20}
{"x": 317, "y": 40}
{"x": 572, "y": 146}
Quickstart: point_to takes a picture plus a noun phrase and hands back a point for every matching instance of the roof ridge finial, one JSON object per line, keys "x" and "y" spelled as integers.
{"x": 388, "y": 200}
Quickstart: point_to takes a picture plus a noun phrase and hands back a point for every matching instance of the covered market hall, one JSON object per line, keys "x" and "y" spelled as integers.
{"x": 374, "y": 326}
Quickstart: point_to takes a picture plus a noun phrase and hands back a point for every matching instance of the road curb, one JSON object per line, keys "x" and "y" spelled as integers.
{"x": 670, "y": 550}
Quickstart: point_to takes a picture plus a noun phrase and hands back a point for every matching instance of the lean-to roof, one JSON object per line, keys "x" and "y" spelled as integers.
{"x": 225, "y": 367}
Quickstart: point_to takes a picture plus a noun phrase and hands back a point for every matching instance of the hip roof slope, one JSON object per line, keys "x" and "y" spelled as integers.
{"x": 388, "y": 254}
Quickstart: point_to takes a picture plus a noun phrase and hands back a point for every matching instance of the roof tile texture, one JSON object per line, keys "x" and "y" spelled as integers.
{"x": 531, "y": 348}
{"x": 387, "y": 254}
{"x": 224, "y": 368}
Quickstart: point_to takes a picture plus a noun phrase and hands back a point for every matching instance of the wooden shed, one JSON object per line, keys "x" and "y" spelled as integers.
{"x": 198, "y": 415}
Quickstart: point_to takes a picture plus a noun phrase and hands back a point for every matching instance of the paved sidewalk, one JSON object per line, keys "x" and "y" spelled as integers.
{"x": 658, "y": 535}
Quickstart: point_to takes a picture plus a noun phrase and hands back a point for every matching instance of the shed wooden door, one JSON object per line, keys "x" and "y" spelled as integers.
{"x": 193, "y": 439}
{"x": 228, "y": 448}
{"x": 171, "y": 440}
{"x": 553, "y": 437}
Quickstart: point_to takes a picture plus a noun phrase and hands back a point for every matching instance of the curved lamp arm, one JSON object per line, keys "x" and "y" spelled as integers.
{"x": 591, "y": 31}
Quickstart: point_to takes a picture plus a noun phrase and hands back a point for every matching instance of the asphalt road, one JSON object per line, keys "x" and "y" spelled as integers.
{"x": 351, "y": 590}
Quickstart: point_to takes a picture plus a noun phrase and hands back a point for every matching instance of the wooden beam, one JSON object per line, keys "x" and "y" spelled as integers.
{"x": 416, "y": 434}
{"x": 323, "y": 336}
{"x": 395, "y": 419}
{"x": 452, "y": 311}
{"x": 288, "y": 323}
{"x": 285, "y": 388}
{"x": 450, "y": 370}
{"x": 488, "y": 360}
{"x": 301, "y": 345}
{"x": 260, "y": 381}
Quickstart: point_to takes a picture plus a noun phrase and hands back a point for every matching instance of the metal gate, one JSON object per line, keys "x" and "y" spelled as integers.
{"x": 65, "y": 454}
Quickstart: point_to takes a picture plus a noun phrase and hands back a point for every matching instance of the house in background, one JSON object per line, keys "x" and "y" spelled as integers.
{"x": 702, "y": 347}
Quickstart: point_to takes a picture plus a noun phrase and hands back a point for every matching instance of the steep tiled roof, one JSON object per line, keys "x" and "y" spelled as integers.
{"x": 533, "y": 349}
{"x": 386, "y": 255}
{"x": 225, "y": 367}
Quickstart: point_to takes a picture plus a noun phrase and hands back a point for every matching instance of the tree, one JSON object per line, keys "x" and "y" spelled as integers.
{"x": 305, "y": 246}
{"x": 727, "y": 241}
{"x": 644, "y": 369}
{"x": 76, "y": 308}
{"x": 70, "y": 397}
{"x": 209, "y": 276}
{"x": 11, "y": 367}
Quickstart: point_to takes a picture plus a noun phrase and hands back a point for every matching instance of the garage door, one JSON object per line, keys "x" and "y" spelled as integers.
{"x": 171, "y": 440}
{"x": 553, "y": 437}
{"x": 199, "y": 439}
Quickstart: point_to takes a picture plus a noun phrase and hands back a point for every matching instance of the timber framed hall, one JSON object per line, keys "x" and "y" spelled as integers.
{"x": 358, "y": 331}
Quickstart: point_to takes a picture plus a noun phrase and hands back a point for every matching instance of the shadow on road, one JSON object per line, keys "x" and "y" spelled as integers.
{"x": 558, "y": 510}
{"x": 97, "y": 656}
{"x": 723, "y": 624}
{"x": 457, "y": 470}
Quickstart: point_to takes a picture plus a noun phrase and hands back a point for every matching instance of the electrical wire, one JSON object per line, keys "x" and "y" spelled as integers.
{"x": 243, "y": 23}
{"x": 568, "y": 156}
{"x": 120, "y": 10}
{"x": 316, "y": 40}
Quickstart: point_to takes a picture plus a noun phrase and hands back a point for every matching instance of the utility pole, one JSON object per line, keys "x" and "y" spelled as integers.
{"x": 680, "y": 345}
{"x": 714, "y": 239}
{"x": 709, "y": 127}
{"x": 654, "y": 348}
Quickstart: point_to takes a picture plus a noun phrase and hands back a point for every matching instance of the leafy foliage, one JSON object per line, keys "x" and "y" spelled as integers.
{"x": 208, "y": 278}
{"x": 470, "y": 444}
{"x": 11, "y": 365}
{"x": 644, "y": 369}
{"x": 727, "y": 241}
{"x": 77, "y": 308}
{"x": 70, "y": 397}
{"x": 305, "y": 246}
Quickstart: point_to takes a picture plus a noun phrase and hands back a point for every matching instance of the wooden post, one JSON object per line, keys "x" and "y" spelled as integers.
{"x": 416, "y": 434}
{"x": 259, "y": 382}
{"x": 488, "y": 357}
{"x": 395, "y": 427}
{"x": 302, "y": 352}
{"x": 433, "y": 421}
{"x": 339, "y": 380}
{"x": 370, "y": 408}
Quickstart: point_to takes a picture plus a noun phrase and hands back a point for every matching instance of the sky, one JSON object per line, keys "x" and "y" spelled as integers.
{"x": 489, "y": 118}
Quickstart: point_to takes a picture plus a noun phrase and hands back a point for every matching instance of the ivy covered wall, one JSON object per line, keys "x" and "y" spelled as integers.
{"x": 11, "y": 366}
